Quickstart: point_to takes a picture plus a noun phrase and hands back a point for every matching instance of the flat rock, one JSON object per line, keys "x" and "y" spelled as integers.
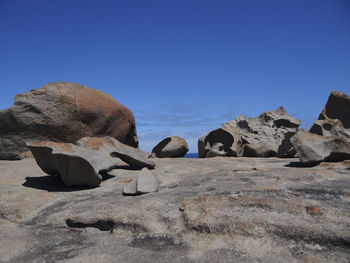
{"x": 268, "y": 134}
{"x": 146, "y": 182}
{"x": 170, "y": 147}
{"x": 225, "y": 141}
{"x": 206, "y": 210}
{"x": 313, "y": 149}
{"x": 63, "y": 112}
{"x": 335, "y": 117}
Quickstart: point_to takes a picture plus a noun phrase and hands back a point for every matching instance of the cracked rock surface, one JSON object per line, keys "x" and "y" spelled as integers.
{"x": 206, "y": 210}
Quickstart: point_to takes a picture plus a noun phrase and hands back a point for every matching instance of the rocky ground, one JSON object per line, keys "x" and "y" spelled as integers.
{"x": 206, "y": 210}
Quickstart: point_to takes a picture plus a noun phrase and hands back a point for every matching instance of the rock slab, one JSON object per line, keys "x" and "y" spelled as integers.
{"x": 170, "y": 147}
{"x": 82, "y": 163}
{"x": 63, "y": 112}
{"x": 313, "y": 149}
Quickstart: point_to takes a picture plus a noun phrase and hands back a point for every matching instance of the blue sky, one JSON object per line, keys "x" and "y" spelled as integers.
{"x": 183, "y": 67}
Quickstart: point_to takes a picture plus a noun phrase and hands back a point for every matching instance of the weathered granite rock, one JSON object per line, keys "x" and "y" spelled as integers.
{"x": 146, "y": 182}
{"x": 335, "y": 117}
{"x": 83, "y": 163}
{"x": 224, "y": 141}
{"x": 75, "y": 165}
{"x": 63, "y": 112}
{"x": 170, "y": 147}
{"x": 130, "y": 188}
{"x": 313, "y": 149}
{"x": 268, "y": 134}
{"x": 206, "y": 210}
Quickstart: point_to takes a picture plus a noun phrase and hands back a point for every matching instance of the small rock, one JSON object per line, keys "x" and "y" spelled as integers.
{"x": 130, "y": 188}
{"x": 146, "y": 182}
{"x": 170, "y": 147}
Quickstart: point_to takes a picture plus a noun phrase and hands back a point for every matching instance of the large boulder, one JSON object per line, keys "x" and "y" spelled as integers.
{"x": 267, "y": 135}
{"x": 335, "y": 117}
{"x": 225, "y": 141}
{"x": 84, "y": 163}
{"x": 170, "y": 147}
{"x": 63, "y": 112}
{"x": 313, "y": 149}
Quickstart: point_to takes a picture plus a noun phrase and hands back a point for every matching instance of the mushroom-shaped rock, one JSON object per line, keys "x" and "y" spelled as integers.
{"x": 170, "y": 147}
{"x": 313, "y": 148}
{"x": 335, "y": 117}
{"x": 63, "y": 112}
{"x": 224, "y": 141}
{"x": 267, "y": 135}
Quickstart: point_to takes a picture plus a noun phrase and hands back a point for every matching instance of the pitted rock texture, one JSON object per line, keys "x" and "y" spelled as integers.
{"x": 170, "y": 147}
{"x": 335, "y": 117}
{"x": 225, "y": 141}
{"x": 267, "y": 135}
{"x": 84, "y": 163}
{"x": 63, "y": 112}
{"x": 313, "y": 149}
{"x": 206, "y": 210}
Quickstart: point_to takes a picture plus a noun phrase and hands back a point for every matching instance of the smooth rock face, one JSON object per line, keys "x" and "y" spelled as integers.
{"x": 82, "y": 163}
{"x": 170, "y": 147}
{"x": 268, "y": 134}
{"x": 224, "y": 141}
{"x": 313, "y": 149}
{"x": 63, "y": 112}
{"x": 335, "y": 117}
{"x": 206, "y": 210}
{"x": 146, "y": 182}
{"x": 130, "y": 188}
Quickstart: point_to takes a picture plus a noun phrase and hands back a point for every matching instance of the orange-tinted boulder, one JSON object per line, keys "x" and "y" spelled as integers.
{"x": 63, "y": 112}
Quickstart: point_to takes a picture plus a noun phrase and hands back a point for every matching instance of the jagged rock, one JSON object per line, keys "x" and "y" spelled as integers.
{"x": 133, "y": 156}
{"x": 146, "y": 182}
{"x": 75, "y": 165}
{"x": 63, "y": 112}
{"x": 224, "y": 141}
{"x": 335, "y": 117}
{"x": 313, "y": 149}
{"x": 268, "y": 134}
{"x": 82, "y": 163}
{"x": 170, "y": 147}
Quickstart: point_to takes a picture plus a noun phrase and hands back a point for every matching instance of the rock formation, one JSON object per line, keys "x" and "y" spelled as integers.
{"x": 267, "y": 135}
{"x": 225, "y": 141}
{"x": 84, "y": 163}
{"x": 145, "y": 182}
{"x": 335, "y": 117}
{"x": 170, "y": 147}
{"x": 63, "y": 112}
{"x": 313, "y": 149}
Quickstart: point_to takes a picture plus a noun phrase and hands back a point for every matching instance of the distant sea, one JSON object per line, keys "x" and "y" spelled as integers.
{"x": 191, "y": 155}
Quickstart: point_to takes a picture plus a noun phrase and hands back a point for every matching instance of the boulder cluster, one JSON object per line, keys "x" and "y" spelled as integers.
{"x": 80, "y": 134}
{"x": 276, "y": 134}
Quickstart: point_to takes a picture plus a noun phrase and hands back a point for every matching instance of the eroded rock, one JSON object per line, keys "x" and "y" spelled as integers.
{"x": 267, "y": 135}
{"x": 145, "y": 182}
{"x": 335, "y": 117}
{"x": 224, "y": 141}
{"x": 82, "y": 163}
{"x": 170, "y": 147}
{"x": 63, "y": 112}
{"x": 313, "y": 149}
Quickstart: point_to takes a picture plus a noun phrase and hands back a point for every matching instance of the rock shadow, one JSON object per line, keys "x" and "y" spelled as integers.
{"x": 296, "y": 165}
{"x": 53, "y": 183}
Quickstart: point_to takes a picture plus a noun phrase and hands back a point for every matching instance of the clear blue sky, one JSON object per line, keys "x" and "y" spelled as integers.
{"x": 183, "y": 67}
